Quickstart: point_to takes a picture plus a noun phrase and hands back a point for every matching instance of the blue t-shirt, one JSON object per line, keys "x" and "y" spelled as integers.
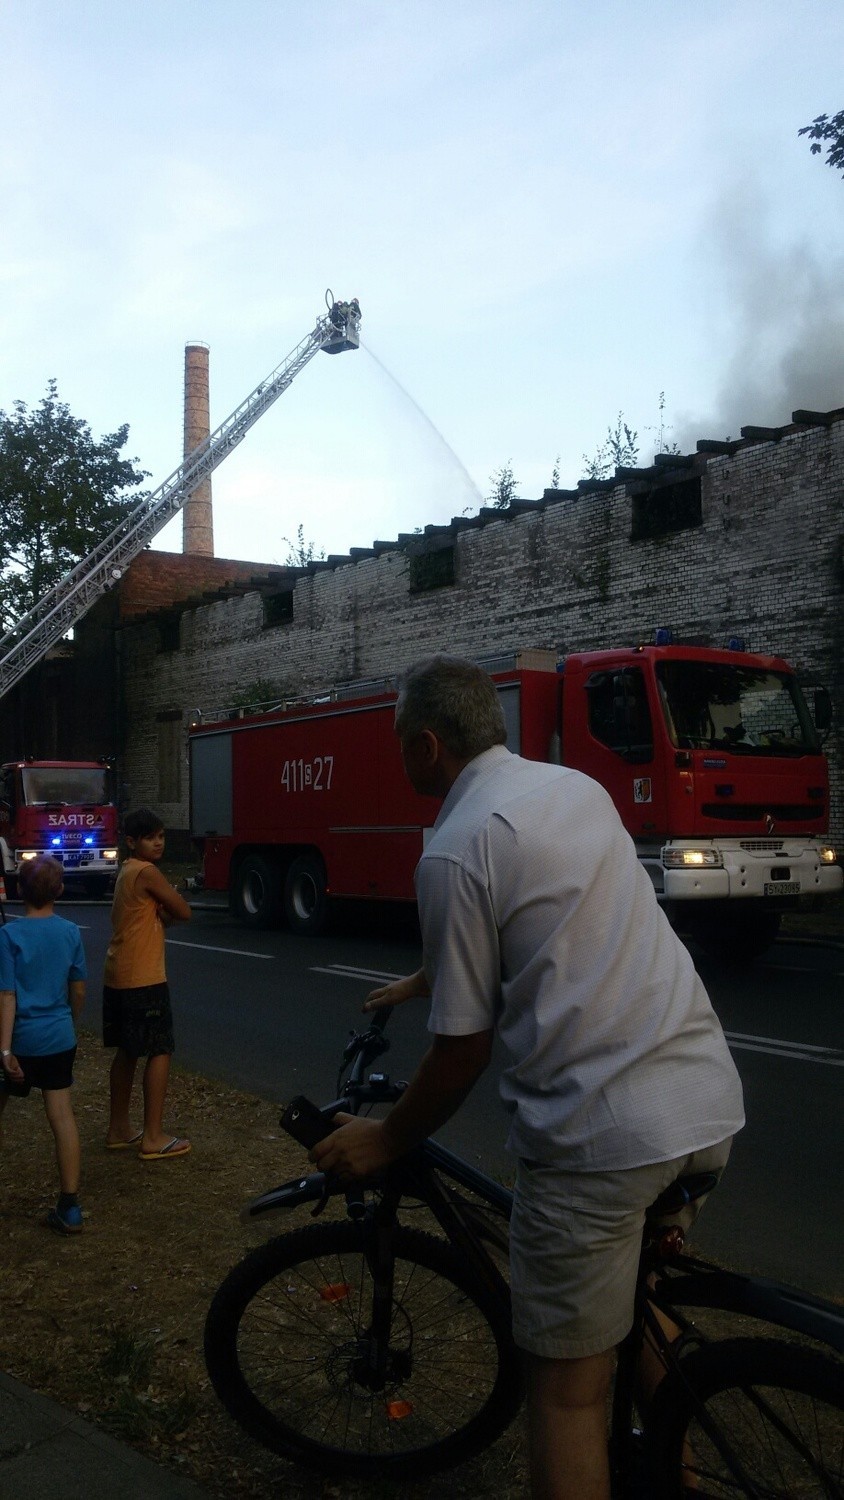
{"x": 38, "y": 958}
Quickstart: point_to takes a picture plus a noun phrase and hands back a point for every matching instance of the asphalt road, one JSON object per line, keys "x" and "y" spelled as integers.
{"x": 269, "y": 1013}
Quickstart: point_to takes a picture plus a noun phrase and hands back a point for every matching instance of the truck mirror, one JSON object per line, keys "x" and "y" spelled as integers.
{"x": 822, "y": 710}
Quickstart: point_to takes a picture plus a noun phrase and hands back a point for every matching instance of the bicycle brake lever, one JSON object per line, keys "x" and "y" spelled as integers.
{"x": 351, "y": 1045}
{"x": 322, "y": 1203}
{"x": 355, "y": 1203}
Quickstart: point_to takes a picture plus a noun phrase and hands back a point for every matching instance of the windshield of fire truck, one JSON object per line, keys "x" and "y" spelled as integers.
{"x": 74, "y": 785}
{"x": 746, "y": 710}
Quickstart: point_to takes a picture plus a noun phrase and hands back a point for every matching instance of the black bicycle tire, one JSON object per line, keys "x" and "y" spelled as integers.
{"x": 787, "y": 1372}
{"x": 329, "y": 1241}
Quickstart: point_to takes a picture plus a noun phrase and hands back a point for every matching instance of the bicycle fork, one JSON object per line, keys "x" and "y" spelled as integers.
{"x": 379, "y": 1231}
{"x": 383, "y": 1361}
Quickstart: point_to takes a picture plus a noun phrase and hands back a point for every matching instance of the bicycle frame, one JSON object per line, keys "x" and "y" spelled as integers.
{"x": 669, "y": 1282}
{"x": 668, "y": 1278}
{"x": 679, "y": 1280}
{"x": 417, "y": 1176}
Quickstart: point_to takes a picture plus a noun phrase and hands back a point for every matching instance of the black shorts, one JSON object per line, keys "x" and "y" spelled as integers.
{"x": 54, "y": 1070}
{"x": 140, "y": 1020}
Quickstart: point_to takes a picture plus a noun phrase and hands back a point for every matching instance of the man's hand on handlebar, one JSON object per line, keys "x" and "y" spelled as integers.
{"x": 357, "y": 1149}
{"x": 412, "y": 987}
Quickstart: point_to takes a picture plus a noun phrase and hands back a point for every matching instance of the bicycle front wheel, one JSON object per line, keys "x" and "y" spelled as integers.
{"x": 750, "y": 1417}
{"x": 287, "y": 1344}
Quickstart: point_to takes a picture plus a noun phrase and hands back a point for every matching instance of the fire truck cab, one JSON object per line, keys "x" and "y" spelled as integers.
{"x": 61, "y": 808}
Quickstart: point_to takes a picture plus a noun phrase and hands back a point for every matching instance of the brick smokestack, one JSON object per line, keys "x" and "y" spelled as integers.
{"x": 197, "y": 516}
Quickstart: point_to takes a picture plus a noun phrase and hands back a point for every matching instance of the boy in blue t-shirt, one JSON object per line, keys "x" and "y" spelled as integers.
{"x": 42, "y": 992}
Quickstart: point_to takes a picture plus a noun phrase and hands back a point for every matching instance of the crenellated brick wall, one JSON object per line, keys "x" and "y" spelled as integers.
{"x": 765, "y": 562}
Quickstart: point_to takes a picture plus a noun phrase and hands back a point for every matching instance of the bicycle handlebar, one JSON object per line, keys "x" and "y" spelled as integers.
{"x": 362, "y": 1049}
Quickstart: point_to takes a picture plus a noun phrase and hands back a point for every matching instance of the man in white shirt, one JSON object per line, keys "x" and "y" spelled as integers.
{"x": 538, "y": 921}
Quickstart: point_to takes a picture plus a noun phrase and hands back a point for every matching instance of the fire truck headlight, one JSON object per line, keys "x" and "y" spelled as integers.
{"x": 692, "y": 859}
{"x": 28, "y": 854}
{"x": 109, "y": 854}
{"x": 827, "y": 856}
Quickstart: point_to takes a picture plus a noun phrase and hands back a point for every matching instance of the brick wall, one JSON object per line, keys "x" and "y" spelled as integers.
{"x": 157, "y": 580}
{"x": 765, "y": 562}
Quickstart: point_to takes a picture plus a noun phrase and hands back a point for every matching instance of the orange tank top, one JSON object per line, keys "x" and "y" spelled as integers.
{"x": 135, "y": 955}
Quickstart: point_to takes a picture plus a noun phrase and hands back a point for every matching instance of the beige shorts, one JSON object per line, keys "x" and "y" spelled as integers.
{"x": 574, "y": 1249}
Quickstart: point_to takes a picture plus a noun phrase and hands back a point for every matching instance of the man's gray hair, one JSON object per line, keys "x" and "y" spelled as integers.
{"x": 455, "y": 699}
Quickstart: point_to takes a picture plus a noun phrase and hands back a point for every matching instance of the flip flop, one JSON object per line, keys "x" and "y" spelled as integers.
{"x": 124, "y": 1145}
{"x": 174, "y": 1147}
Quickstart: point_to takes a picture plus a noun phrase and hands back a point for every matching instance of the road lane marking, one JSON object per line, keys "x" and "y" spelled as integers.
{"x": 209, "y": 948}
{"x": 831, "y": 1062}
{"x": 345, "y": 971}
{"x": 775, "y": 1047}
{"x": 778, "y": 1041}
{"x": 747, "y": 1041}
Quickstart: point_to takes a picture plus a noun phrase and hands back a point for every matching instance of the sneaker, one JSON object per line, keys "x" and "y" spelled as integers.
{"x": 65, "y": 1220}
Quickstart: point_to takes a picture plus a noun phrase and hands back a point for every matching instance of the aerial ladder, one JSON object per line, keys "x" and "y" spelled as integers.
{"x": 59, "y": 609}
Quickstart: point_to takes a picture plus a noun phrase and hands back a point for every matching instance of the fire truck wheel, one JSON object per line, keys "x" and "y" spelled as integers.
{"x": 257, "y": 891}
{"x": 305, "y": 903}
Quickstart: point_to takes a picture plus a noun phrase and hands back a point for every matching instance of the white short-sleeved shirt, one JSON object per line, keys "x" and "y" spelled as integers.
{"x": 538, "y": 920}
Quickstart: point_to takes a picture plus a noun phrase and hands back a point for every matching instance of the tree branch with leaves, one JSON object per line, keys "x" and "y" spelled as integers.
{"x": 824, "y": 131}
{"x": 61, "y": 493}
{"x": 300, "y": 552}
{"x": 619, "y": 450}
{"x": 504, "y": 486}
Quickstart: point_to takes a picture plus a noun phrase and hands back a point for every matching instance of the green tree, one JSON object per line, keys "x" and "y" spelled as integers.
{"x": 830, "y": 133}
{"x": 300, "y": 552}
{"x": 619, "y": 450}
{"x": 61, "y": 493}
{"x": 504, "y": 486}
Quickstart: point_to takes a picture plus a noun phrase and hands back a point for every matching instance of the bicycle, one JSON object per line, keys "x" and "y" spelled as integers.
{"x": 366, "y": 1347}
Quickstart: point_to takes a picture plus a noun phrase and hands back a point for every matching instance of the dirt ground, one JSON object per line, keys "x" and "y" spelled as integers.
{"x": 110, "y": 1323}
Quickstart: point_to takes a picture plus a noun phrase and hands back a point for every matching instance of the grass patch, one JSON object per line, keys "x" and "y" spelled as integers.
{"x": 110, "y": 1323}
{"x": 128, "y": 1356}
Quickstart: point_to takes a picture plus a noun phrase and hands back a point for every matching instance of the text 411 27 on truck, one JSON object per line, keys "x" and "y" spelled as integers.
{"x": 712, "y": 758}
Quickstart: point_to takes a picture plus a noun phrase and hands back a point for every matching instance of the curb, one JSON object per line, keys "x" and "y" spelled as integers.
{"x": 49, "y": 1449}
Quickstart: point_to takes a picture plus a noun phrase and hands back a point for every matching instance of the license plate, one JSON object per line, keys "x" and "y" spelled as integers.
{"x": 782, "y": 887}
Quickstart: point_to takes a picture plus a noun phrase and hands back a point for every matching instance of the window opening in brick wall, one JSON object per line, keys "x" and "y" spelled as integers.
{"x": 665, "y": 509}
{"x": 278, "y": 608}
{"x": 171, "y": 749}
{"x": 168, "y": 634}
{"x": 431, "y": 570}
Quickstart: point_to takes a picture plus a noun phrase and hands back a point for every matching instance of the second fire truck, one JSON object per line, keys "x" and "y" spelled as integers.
{"x": 712, "y": 758}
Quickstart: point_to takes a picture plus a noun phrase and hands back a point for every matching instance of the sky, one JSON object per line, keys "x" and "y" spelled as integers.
{"x": 550, "y": 213}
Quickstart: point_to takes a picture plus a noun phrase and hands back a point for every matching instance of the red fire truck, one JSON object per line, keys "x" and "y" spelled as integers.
{"x": 63, "y": 808}
{"x": 712, "y": 758}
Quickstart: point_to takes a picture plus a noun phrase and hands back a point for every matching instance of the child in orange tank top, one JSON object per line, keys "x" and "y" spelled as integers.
{"x": 137, "y": 1018}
